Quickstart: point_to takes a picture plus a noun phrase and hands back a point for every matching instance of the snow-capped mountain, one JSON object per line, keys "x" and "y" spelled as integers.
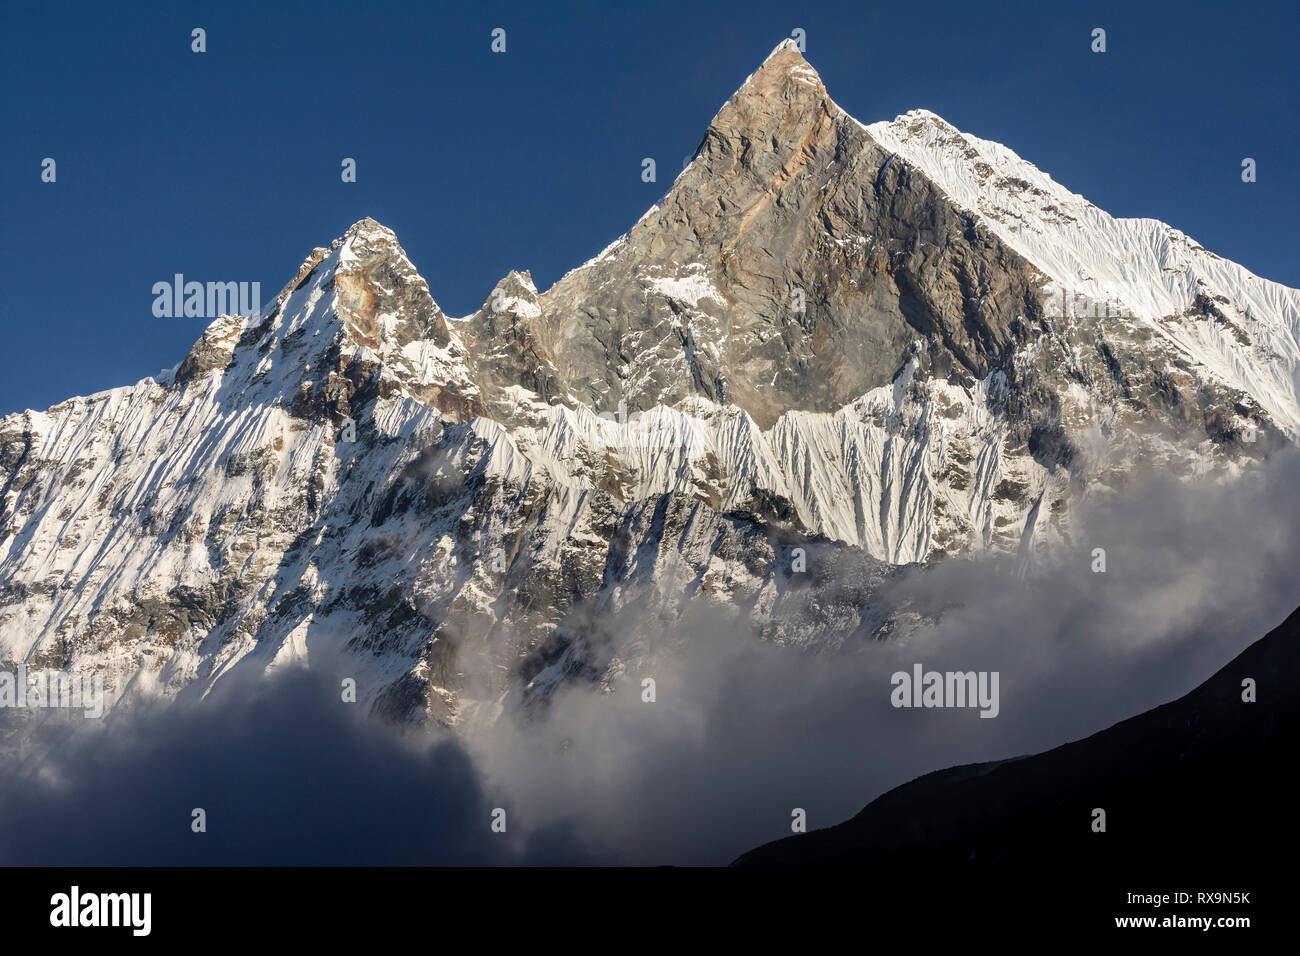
{"x": 878, "y": 344}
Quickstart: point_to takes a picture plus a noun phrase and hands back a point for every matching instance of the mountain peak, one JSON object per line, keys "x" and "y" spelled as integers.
{"x": 924, "y": 116}
{"x": 788, "y": 44}
{"x": 784, "y": 68}
{"x": 369, "y": 228}
{"x": 366, "y": 239}
{"x": 780, "y": 101}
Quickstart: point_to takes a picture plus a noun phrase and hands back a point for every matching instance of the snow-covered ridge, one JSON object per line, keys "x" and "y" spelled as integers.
{"x": 1143, "y": 266}
{"x": 903, "y": 471}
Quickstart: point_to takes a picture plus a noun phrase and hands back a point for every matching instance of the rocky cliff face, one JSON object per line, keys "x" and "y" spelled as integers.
{"x": 792, "y": 266}
{"x": 829, "y": 351}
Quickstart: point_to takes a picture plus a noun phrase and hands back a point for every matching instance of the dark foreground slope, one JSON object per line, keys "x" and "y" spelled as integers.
{"x": 1199, "y": 794}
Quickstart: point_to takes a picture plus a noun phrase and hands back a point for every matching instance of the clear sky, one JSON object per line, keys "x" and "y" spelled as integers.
{"x": 225, "y": 166}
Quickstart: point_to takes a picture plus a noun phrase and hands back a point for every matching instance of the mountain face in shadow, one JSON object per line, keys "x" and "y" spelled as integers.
{"x": 1198, "y": 794}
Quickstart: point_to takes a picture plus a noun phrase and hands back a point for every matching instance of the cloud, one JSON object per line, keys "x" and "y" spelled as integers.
{"x": 742, "y": 733}
{"x": 286, "y": 773}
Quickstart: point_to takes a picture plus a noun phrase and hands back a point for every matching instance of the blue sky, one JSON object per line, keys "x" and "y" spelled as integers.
{"x": 225, "y": 165}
